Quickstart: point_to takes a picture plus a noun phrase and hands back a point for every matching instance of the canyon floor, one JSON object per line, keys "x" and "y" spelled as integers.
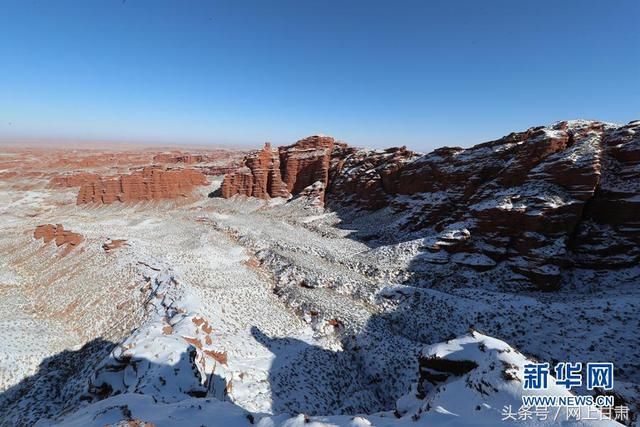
{"x": 243, "y": 311}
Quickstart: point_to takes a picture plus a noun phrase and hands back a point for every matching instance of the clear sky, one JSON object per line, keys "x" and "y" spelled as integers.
{"x": 372, "y": 73}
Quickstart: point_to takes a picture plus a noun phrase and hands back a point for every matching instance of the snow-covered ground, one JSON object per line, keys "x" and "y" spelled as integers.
{"x": 240, "y": 312}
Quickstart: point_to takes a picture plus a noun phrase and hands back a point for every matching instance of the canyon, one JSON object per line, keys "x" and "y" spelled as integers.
{"x": 316, "y": 283}
{"x": 542, "y": 202}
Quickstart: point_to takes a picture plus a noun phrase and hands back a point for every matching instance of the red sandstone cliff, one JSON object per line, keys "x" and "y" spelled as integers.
{"x": 289, "y": 170}
{"x": 305, "y": 162}
{"x": 259, "y": 177}
{"x": 149, "y": 183}
{"x": 531, "y": 206}
{"x": 540, "y": 202}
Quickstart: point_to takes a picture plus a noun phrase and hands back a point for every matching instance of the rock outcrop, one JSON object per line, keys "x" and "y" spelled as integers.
{"x": 150, "y": 183}
{"x": 57, "y": 233}
{"x": 180, "y": 158}
{"x": 216, "y": 162}
{"x": 368, "y": 178}
{"x": 313, "y": 195}
{"x": 305, "y": 162}
{"x": 285, "y": 172}
{"x": 260, "y": 176}
{"x": 542, "y": 203}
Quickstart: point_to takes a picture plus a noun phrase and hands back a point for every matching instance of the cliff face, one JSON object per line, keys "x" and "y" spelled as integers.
{"x": 285, "y": 172}
{"x": 305, "y": 162}
{"x": 258, "y": 177}
{"x": 539, "y": 202}
{"x": 149, "y": 183}
{"x": 367, "y": 178}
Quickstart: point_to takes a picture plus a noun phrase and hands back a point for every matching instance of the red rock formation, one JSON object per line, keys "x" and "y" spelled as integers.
{"x": 219, "y": 170}
{"x": 57, "y": 233}
{"x": 92, "y": 159}
{"x": 180, "y": 158}
{"x": 259, "y": 177}
{"x": 290, "y": 170}
{"x": 238, "y": 182}
{"x": 539, "y": 202}
{"x": 216, "y": 162}
{"x": 149, "y": 183}
{"x": 369, "y": 178}
{"x": 306, "y": 162}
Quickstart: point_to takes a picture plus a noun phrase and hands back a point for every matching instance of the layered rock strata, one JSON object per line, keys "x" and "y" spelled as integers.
{"x": 150, "y": 183}
{"x": 542, "y": 202}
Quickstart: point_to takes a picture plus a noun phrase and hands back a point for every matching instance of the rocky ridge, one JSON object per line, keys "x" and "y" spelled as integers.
{"x": 150, "y": 183}
{"x": 216, "y": 162}
{"x": 541, "y": 203}
{"x": 346, "y": 334}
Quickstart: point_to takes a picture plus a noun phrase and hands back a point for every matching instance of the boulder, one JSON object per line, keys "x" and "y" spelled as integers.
{"x": 112, "y": 244}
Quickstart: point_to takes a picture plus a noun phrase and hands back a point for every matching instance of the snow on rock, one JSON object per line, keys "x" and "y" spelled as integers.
{"x": 574, "y": 182}
{"x": 467, "y": 381}
{"x": 550, "y": 181}
{"x": 172, "y": 356}
{"x": 275, "y": 312}
{"x": 471, "y": 379}
{"x": 141, "y": 410}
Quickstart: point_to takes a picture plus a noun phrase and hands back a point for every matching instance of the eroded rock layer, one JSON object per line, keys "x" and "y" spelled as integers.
{"x": 283, "y": 172}
{"x": 259, "y": 176}
{"x": 215, "y": 162}
{"x": 540, "y": 202}
{"x": 305, "y": 162}
{"x": 150, "y": 183}
{"x": 57, "y": 233}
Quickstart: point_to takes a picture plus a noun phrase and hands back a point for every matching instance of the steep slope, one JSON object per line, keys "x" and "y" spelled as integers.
{"x": 532, "y": 207}
{"x": 259, "y": 177}
{"x": 542, "y": 202}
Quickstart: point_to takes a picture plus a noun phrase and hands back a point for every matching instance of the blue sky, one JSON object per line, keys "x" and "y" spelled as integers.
{"x": 416, "y": 73}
